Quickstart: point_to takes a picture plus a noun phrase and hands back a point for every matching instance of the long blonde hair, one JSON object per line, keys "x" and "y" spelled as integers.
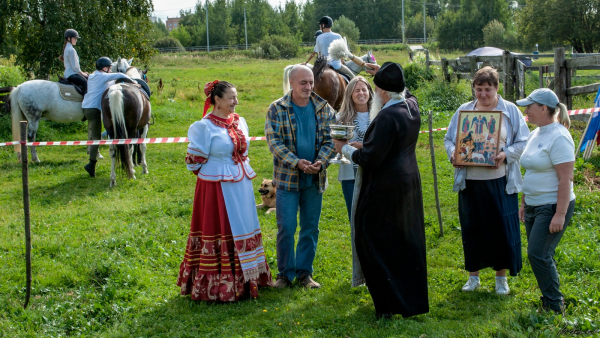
{"x": 348, "y": 112}
{"x": 563, "y": 115}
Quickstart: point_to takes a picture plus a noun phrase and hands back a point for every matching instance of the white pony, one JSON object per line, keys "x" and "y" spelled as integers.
{"x": 37, "y": 99}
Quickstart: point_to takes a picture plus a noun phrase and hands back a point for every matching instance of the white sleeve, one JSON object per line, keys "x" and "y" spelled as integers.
{"x": 246, "y": 131}
{"x": 199, "y": 146}
{"x": 562, "y": 150}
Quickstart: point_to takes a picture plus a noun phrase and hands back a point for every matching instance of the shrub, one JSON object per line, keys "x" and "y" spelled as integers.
{"x": 169, "y": 42}
{"x": 493, "y": 34}
{"x": 443, "y": 97}
{"x": 10, "y": 75}
{"x": 416, "y": 73}
{"x": 287, "y": 46}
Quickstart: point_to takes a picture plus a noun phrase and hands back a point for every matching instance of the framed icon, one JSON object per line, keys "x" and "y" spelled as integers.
{"x": 477, "y": 137}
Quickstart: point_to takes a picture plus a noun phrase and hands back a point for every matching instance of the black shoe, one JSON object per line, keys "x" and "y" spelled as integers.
{"x": 558, "y": 308}
{"x": 282, "y": 282}
{"x": 91, "y": 168}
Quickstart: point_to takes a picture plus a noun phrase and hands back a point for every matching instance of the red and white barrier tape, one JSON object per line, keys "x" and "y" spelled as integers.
{"x": 130, "y": 141}
{"x": 184, "y": 139}
{"x": 577, "y": 112}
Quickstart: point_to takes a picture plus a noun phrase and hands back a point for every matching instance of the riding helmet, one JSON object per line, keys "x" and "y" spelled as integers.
{"x": 103, "y": 62}
{"x": 317, "y": 33}
{"x": 327, "y": 21}
{"x": 71, "y": 33}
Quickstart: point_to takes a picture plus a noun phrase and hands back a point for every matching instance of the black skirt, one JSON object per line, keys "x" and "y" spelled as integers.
{"x": 491, "y": 232}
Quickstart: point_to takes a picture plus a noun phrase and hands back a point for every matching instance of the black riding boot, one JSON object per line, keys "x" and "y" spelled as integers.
{"x": 91, "y": 168}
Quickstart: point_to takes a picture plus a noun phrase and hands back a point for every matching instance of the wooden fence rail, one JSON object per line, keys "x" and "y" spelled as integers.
{"x": 565, "y": 74}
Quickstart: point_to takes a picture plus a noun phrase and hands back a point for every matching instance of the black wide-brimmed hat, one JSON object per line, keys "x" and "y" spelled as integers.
{"x": 390, "y": 77}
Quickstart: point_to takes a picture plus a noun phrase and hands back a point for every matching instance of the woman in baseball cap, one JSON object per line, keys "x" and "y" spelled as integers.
{"x": 548, "y": 200}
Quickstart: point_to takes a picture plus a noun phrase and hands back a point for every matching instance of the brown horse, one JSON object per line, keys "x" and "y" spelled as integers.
{"x": 329, "y": 84}
{"x": 126, "y": 113}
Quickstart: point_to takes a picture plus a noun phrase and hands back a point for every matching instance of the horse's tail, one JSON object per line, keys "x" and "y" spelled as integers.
{"x": 319, "y": 67}
{"x": 286, "y": 78}
{"x": 116, "y": 104}
{"x": 17, "y": 116}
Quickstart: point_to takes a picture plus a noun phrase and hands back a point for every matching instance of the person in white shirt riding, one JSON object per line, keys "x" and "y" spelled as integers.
{"x": 92, "y": 104}
{"x": 70, "y": 59}
{"x": 322, "y": 47}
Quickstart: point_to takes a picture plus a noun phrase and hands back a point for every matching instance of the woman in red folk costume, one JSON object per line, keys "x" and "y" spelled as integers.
{"x": 224, "y": 258}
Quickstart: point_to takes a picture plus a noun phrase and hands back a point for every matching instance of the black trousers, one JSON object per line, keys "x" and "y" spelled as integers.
{"x": 79, "y": 80}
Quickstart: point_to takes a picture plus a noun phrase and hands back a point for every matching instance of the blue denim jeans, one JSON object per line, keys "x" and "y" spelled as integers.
{"x": 309, "y": 200}
{"x": 348, "y": 190}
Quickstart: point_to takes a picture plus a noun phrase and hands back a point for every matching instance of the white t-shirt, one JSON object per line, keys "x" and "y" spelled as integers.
{"x": 546, "y": 147}
{"x": 346, "y": 171}
{"x": 323, "y": 42}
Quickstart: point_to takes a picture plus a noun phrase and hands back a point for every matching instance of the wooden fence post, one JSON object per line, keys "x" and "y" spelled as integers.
{"x": 410, "y": 55}
{"x": 445, "y": 69}
{"x": 560, "y": 74}
{"x": 25, "y": 175}
{"x": 434, "y": 167}
{"x": 427, "y": 60}
{"x": 508, "y": 75}
{"x": 473, "y": 65}
{"x": 541, "y": 74}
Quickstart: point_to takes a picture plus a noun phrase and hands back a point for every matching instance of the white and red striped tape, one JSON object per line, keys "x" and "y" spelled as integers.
{"x": 185, "y": 140}
{"x": 130, "y": 141}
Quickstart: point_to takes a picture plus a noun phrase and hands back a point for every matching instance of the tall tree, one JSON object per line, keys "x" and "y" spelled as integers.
{"x": 554, "y": 22}
{"x": 106, "y": 27}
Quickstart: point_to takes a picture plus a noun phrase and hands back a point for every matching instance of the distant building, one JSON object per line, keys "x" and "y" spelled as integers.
{"x": 153, "y": 19}
{"x": 172, "y": 23}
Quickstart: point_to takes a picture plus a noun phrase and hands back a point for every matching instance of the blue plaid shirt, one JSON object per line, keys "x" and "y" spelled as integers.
{"x": 280, "y": 130}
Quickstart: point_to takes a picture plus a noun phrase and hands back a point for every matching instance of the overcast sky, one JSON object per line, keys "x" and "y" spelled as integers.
{"x": 171, "y": 8}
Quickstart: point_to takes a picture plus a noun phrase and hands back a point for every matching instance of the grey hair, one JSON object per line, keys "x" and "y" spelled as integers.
{"x": 397, "y": 96}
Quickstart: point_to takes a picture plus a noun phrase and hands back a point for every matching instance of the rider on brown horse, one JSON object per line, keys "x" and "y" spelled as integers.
{"x": 322, "y": 46}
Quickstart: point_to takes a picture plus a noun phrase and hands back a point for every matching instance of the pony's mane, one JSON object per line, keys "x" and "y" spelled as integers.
{"x": 319, "y": 67}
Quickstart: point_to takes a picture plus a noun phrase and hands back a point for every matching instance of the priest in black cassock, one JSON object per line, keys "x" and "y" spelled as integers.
{"x": 388, "y": 229}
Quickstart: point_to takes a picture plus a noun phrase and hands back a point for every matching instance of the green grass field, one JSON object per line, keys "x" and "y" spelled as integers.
{"x": 105, "y": 261}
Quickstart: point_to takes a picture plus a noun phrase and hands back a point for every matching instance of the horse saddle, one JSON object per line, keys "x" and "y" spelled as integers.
{"x": 145, "y": 88}
{"x": 69, "y": 91}
{"x": 344, "y": 76}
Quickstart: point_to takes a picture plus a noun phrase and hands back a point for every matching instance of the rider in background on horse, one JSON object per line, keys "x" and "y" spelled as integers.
{"x": 92, "y": 104}
{"x": 322, "y": 46}
{"x": 71, "y": 61}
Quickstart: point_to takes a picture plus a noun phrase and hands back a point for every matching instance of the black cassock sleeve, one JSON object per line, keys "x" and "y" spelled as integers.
{"x": 378, "y": 140}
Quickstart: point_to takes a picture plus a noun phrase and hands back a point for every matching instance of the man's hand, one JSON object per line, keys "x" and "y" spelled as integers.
{"x": 302, "y": 165}
{"x": 372, "y": 68}
{"x": 314, "y": 168}
{"x": 339, "y": 144}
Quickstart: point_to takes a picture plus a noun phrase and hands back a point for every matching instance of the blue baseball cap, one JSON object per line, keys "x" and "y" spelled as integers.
{"x": 540, "y": 96}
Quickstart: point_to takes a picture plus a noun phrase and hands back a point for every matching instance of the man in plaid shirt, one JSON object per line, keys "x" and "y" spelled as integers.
{"x": 297, "y": 130}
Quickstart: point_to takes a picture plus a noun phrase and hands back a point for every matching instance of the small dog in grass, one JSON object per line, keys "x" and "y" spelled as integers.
{"x": 267, "y": 192}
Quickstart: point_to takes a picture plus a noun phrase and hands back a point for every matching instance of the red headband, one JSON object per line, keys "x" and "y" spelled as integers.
{"x": 208, "y": 89}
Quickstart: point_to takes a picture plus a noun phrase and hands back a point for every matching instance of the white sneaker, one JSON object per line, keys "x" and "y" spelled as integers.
{"x": 502, "y": 286}
{"x": 472, "y": 284}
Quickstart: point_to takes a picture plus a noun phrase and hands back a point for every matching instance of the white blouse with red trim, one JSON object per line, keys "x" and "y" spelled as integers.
{"x": 210, "y": 151}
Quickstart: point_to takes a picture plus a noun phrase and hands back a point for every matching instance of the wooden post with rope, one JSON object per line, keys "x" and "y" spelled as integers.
{"x": 25, "y": 175}
{"x": 435, "y": 182}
